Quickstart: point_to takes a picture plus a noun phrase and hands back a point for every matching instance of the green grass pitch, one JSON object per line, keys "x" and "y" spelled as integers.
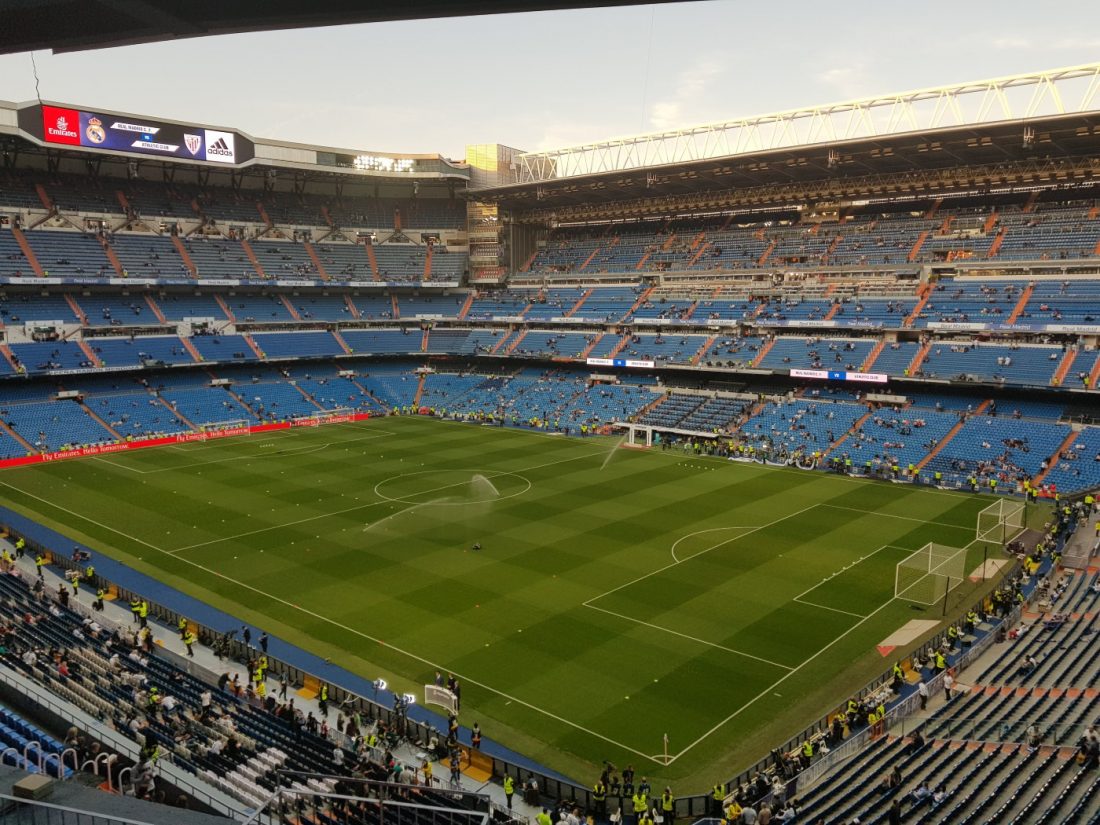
{"x": 620, "y": 595}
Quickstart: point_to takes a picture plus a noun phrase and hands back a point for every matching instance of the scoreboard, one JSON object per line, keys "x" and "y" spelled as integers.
{"x": 69, "y": 126}
{"x": 839, "y": 375}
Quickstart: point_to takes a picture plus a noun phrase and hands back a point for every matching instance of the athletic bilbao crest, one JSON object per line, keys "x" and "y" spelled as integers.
{"x": 193, "y": 143}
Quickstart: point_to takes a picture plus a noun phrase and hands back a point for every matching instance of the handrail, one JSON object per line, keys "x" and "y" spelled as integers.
{"x": 105, "y": 758}
{"x": 41, "y": 756}
{"x": 5, "y": 752}
{"x": 280, "y": 797}
{"x": 66, "y": 812}
{"x": 474, "y": 816}
{"x": 121, "y": 773}
{"x": 61, "y": 762}
{"x": 368, "y": 783}
{"x": 215, "y": 800}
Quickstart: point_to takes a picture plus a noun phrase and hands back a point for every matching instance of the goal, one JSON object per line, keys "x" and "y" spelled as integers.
{"x": 927, "y": 575}
{"x": 1001, "y": 522}
{"x": 214, "y": 426}
{"x": 321, "y": 416}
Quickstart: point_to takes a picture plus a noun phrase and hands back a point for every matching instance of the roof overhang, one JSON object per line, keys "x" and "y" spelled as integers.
{"x": 74, "y": 25}
{"x": 1054, "y": 92}
{"x": 1001, "y": 145}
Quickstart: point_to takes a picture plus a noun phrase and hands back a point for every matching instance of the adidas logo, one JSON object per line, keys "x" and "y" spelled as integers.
{"x": 219, "y": 147}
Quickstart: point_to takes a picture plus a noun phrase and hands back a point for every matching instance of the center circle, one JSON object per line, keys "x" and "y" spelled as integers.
{"x": 454, "y": 488}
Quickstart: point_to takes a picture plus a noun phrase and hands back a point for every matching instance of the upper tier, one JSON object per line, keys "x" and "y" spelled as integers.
{"x": 154, "y": 200}
{"x": 867, "y": 237}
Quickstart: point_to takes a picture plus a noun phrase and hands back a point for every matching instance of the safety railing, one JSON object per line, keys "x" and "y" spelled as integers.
{"x": 35, "y": 812}
{"x": 119, "y": 744}
{"x": 392, "y": 802}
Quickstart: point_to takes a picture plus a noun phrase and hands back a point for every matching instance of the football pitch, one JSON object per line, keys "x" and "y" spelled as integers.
{"x": 618, "y": 595}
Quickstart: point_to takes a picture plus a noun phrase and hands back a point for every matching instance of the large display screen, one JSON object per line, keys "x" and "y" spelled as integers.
{"x": 831, "y": 375}
{"x": 620, "y": 362}
{"x": 122, "y": 133}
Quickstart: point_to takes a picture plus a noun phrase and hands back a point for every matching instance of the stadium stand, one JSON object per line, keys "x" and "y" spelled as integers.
{"x": 113, "y": 352}
{"x": 1002, "y": 750}
{"x": 297, "y": 344}
{"x": 976, "y": 314}
{"x": 223, "y": 347}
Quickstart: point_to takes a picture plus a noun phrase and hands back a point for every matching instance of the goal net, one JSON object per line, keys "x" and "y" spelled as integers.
{"x": 927, "y": 575}
{"x": 1001, "y": 522}
{"x": 334, "y": 411}
{"x": 235, "y": 424}
{"x": 435, "y": 695}
{"x": 320, "y": 416}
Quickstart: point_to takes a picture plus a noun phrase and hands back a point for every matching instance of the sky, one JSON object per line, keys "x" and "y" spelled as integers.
{"x": 550, "y": 79}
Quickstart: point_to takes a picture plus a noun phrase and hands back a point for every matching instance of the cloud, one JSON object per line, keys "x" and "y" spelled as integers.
{"x": 689, "y": 101}
{"x": 665, "y": 115}
{"x": 1012, "y": 43}
{"x": 558, "y": 134}
{"x": 847, "y": 81}
{"x": 1077, "y": 43}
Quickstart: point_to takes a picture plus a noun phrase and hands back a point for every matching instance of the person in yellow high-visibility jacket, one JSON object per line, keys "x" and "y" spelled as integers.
{"x": 668, "y": 807}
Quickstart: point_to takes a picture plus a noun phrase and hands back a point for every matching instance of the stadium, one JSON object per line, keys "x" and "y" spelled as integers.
{"x": 740, "y": 472}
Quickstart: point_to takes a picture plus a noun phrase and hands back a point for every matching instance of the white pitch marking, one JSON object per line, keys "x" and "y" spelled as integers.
{"x": 365, "y": 506}
{"x": 700, "y": 553}
{"x": 288, "y": 453}
{"x": 826, "y": 607}
{"x": 772, "y": 687}
{"x": 692, "y": 638}
{"x": 831, "y": 576}
{"x": 903, "y": 518}
{"x": 327, "y": 620}
{"x": 676, "y": 543}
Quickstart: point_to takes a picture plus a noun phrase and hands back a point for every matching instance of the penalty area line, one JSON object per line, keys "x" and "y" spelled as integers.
{"x": 826, "y": 607}
{"x": 676, "y": 543}
{"x": 691, "y": 638}
{"x": 771, "y": 688}
{"x": 902, "y": 518}
{"x": 844, "y": 569}
{"x": 749, "y": 532}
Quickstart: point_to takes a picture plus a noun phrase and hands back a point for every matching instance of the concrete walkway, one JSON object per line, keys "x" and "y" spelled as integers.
{"x": 1083, "y": 544}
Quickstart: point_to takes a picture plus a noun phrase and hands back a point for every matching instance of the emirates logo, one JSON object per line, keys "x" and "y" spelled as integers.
{"x": 61, "y": 129}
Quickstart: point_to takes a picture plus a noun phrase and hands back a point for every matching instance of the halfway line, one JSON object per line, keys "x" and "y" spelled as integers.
{"x": 345, "y": 628}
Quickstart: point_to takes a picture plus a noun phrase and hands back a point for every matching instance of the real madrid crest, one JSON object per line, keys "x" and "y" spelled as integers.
{"x": 95, "y": 132}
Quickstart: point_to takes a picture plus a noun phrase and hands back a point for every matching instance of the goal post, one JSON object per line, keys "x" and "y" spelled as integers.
{"x": 233, "y": 424}
{"x": 1001, "y": 522}
{"x": 927, "y": 575}
{"x": 333, "y": 412}
{"x": 321, "y": 416}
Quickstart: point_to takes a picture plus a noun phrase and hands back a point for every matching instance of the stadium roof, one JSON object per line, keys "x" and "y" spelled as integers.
{"x": 72, "y": 25}
{"x": 1013, "y": 153}
{"x": 989, "y": 132}
{"x": 1068, "y": 90}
